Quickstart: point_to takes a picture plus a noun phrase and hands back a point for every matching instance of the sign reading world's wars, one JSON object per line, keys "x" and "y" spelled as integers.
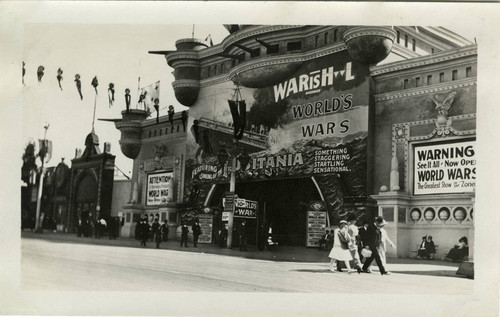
{"x": 312, "y": 123}
{"x": 444, "y": 168}
{"x": 157, "y": 189}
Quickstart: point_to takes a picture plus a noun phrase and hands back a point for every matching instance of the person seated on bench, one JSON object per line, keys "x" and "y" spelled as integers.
{"x": 459, "y": 251}
{"x": 270, "y": 242}
{"x": 422, "y": 251}
{"x": 430, "y": 248}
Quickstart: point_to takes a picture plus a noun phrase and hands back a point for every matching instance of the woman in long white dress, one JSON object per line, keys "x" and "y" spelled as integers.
{"x": 340, "y": 250}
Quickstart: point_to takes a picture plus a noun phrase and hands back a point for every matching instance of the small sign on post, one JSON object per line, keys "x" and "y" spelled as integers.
{"x": 245, "y": 208}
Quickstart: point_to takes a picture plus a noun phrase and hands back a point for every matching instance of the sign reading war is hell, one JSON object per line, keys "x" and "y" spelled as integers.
{"x": 245, "y": 208}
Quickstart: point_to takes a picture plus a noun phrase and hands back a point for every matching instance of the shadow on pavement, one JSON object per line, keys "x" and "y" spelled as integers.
{"x": 313, "y": 270}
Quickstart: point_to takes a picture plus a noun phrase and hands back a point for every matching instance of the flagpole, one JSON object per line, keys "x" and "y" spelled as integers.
{"x": 138, "y": 91}
{"x": 41, "y": 153}
{"x": 93, "y": 118}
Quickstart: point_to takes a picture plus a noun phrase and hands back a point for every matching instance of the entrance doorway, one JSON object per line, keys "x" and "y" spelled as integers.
{"x": 282, "y": 206}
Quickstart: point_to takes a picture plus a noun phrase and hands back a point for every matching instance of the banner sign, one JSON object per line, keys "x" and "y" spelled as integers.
{"x": 316, "y": 227}
{"x": 314, "y": 122}
{"x": 245, "y": 208}
{"x": 157, "y": 189}
{"x": 444, "y": 168}
{"x": 206, "y": 224}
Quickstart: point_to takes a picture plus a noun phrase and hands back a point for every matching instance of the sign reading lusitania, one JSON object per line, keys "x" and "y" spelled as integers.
{"x": 444, "y": 168}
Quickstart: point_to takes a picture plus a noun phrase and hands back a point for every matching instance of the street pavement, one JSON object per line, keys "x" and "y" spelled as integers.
{"x": 55, "y": 261}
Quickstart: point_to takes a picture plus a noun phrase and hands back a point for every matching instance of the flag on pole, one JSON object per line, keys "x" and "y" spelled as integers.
{"x": 45, "y": 147}
{"x": 148, "y": 95}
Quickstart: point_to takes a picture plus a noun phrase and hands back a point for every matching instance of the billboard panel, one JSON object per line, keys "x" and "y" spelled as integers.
{"x": 444, "y": 168}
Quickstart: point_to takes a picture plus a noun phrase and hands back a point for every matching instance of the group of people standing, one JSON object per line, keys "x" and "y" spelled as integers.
{"x": 154, "y": 232}
{"x": 351, "y": 243}
{"x": 196, "y": 230}
{"x": 97, "y": 227}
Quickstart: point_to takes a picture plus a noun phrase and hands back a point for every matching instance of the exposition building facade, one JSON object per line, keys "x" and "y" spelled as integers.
{"x": 332, "y": 121}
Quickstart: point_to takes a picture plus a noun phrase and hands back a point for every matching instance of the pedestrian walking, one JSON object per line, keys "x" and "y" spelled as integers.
{"x": 383, "y": 246}
{"x": 242, "y": 233}
{"x": 329, "y": 241}
{"x": 79, "y": 227}
{"x": 373, "y": 241}
{"x": 137, "y": 231}
{"x": 158, "y": 237}
{"x": 154, "y": 228}
{"x": 353, "y": 231}
{"x": 322, "y": 241}
{"x": 144, "y": 232}
{"x": 101, "y": 227}
{"x": 196, "y": 229}
{"x": 340, "y": 250}
{"x": 362, "y": 241}
{"x": 223, "y": 236}
{"x": 184, "y": 235}
{"x": 164, "y": 231}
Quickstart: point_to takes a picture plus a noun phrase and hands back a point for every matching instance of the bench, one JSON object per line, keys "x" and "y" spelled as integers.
{"x": 414, "y": 252}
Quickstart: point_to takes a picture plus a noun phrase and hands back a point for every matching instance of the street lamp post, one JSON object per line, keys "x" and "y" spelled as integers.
{"x": 42, "y": 153}
{"x": 244, "y": 159}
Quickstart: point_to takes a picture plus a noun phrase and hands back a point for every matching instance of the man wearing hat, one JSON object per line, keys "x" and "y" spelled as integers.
{"x": 374, "y": 239}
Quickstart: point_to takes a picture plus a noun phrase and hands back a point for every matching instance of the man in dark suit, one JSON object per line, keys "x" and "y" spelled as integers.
{"x": 196, "y": 228}
{"x": 242, "y": 232}
{"x": 373, "y": 240}
{"x": 361, "y": 241}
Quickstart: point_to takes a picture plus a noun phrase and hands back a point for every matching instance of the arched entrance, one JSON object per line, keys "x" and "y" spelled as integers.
{"x": 282, "y": 205}
{"x": 85, "y": 199}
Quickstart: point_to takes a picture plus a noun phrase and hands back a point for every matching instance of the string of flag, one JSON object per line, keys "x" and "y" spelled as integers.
{"x": 149, "y": 96}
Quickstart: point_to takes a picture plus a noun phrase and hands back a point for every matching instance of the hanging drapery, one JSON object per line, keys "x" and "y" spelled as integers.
{"x": 148, "y": 95}
{"x": 238, "y": 109}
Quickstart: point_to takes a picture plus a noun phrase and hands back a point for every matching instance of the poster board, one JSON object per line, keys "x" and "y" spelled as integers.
{"x": 444, "y": 168}
{"x": 157, "y": 190}
{"x": 316, "y": 226}
{"x": 206, "y": 224}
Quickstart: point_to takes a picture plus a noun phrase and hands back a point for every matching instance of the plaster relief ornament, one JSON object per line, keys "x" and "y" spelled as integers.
{"x": 59, "y": 77}
{"x": 443, "y": 123}
{"x": 79, "y": 85}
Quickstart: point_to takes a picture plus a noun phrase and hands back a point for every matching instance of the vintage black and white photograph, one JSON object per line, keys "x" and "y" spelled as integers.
{"x": 204, "y": 163}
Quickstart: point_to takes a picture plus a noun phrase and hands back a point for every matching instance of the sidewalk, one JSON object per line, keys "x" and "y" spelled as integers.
{"x": 280, "y": 253}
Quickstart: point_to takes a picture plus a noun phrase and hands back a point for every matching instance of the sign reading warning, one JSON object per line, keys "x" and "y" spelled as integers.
{"x": 444, "y": 168}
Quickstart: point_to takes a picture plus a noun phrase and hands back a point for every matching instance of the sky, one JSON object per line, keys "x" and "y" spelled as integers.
{"x": 115, "y": 53}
